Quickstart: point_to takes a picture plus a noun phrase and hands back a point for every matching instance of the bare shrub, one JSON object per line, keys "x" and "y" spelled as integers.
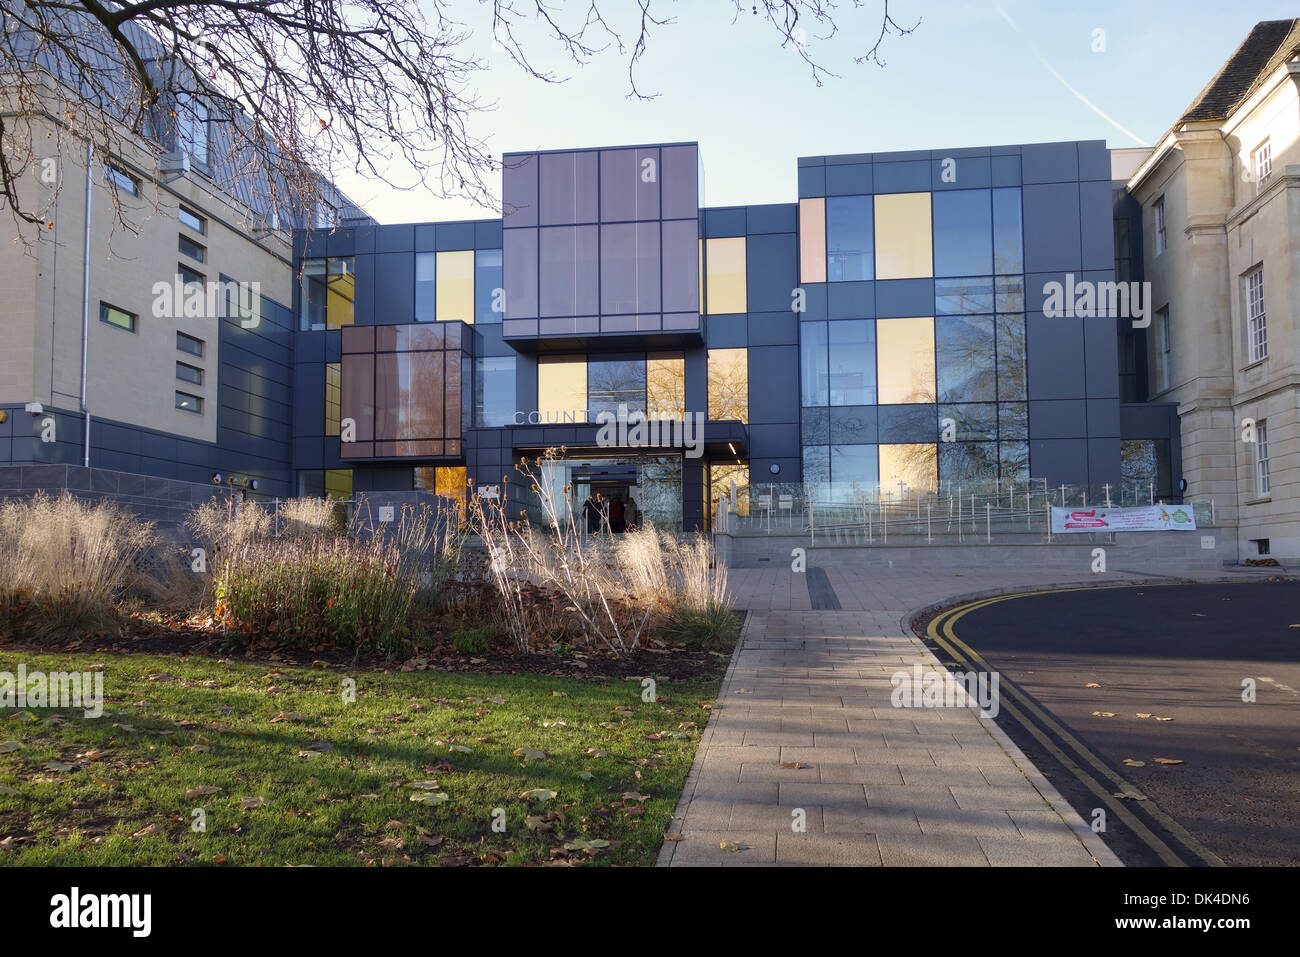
{"x": 64, "y": 561}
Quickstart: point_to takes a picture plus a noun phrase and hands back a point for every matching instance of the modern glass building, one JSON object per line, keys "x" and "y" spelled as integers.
{"x": 884, "y": 330}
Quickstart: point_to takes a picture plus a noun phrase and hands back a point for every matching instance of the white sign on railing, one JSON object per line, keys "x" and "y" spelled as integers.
{"x": 1146, "y": 518}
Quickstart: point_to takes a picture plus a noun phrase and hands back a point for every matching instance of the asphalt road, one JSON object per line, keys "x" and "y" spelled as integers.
{"x": 1167, "y": 651}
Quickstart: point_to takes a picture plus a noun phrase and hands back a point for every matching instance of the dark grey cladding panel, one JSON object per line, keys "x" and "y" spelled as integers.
{"x": 849, "y": 180}
{"x": 773, "y": 329}
{"x": 1050, "y": 162}
{"x": 395, "y": 239}
{"x": 954, "y": 171}
{"x": 910, "y": 177}
{"x": 1058, "y": 419}
{"x": 1051, "y": 227}
{"x": 772, "y": 274}
{"x": 852, "y": 300}
{"x": 1149, "y": 420}
{"x": 394, "y": 288}
{"x": 1104, "y": 461}
{"x": 1097, "y": 225}
{"x": 897, "y": 298}
{"x": 771, "y": 440}
{"x": 1103, "y": 417}
{"x": 1101, "y": 358}
{"x": 1058, "y": 461}
{"x": 1056, "y": 358}
{"x": 812, "y": 181}
{"x": 774, "y": 385}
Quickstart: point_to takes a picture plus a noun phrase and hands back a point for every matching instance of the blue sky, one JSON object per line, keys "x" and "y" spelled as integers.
{"x": 973, "y": 73}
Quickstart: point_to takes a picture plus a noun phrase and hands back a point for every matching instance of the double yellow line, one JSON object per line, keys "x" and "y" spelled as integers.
{"x": 1089, "y": 769}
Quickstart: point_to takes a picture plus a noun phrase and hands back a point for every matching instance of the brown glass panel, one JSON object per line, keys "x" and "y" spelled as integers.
{"x": 451, "y": 427}
{"x": 358, "y": 394}
{"x": 358, "y": 338}
{"x": 357, "y": 450}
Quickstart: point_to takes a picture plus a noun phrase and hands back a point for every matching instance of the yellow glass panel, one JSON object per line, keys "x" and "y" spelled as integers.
{"x": 905, "y": 360}
{"x": 454, "y": 275}
{"x": 341, "y": 284}
{"x": 812, "y": 240}
{"x": 333, "y": 396}
{"x": 725, "y": 262}
{"x": 562, "y": 388}
{"x": 729, "y": 384}
{"x": 449, "y": 482}
{"x": 665, "y": 385}
{"x": 916, "y": 466}
{"x": 903, "y": 243}
{"x": 338, "y": 483}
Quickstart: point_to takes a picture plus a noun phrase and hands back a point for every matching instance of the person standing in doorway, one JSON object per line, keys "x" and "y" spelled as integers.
{"x": 616, "y": 523}
{"x": 591, "y": 515}
{"x": 631, "y": 516}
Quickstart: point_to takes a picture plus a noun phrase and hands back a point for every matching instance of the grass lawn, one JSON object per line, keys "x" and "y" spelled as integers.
{"x": 287, "y": 772}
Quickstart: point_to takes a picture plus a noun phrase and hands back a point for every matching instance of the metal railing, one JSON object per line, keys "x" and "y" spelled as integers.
{"x": 954, "y": 512}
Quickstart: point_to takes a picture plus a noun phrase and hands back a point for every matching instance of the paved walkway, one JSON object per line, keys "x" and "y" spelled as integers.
{"x": 804, "y": 723}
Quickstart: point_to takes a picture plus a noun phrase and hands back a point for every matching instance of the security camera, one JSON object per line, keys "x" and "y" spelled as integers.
{"x": 35, "y": 408}
{"x": 253, "y": 485}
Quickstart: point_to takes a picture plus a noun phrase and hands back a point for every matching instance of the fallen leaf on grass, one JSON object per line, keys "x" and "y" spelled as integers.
{"x": 7, "y": 746}
{"x": 425, "y": 785}
{"x": 597, "y": 752}
{"x": 652, "y": 737}
{"x": 323, "y": 747}
{"x": 461, "y": 749}
{"x": 153, "y": 830}
{"x": 530, "y": 754}
{"x": 611, "y": 725}
{"x": 634, "y": 796}
{"x": 537, "y": 794}
{"x": 559, "y": 694}
{"x": 393, "y": 844}
{"x": 582, "y": 844}
{"x": 200, "y": 791}
{"x": 60, "y": 766}
{"x": 250, "y": 803}
{"x": 584, "y": 775}
{"x": 430, "y": 797}
{"x": 431, "y": 840}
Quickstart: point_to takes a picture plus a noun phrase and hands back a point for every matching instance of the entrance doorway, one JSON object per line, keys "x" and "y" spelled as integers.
{"x": 652, "y": 482}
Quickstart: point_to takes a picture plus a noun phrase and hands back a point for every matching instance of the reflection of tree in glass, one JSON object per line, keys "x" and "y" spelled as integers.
{"x": 729, "y": 384}
{"x": 721, "y": 478}
{"x": 660, "y": 500}
{"x": 616, "y": 382}
{"x": 666, "y": 386}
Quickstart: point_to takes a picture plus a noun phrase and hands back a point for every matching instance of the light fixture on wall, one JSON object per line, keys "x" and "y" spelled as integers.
{"x": 4, "y": 416}
{"x": 774, "y": 469}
